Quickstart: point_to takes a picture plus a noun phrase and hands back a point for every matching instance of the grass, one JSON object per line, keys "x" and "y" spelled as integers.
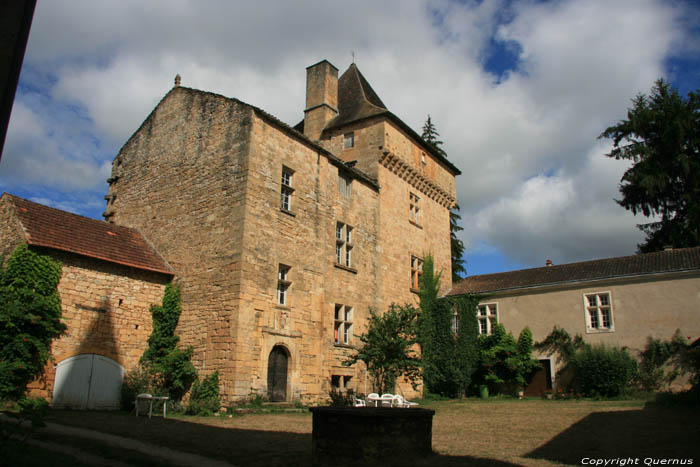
{"x": 496, "y": 432}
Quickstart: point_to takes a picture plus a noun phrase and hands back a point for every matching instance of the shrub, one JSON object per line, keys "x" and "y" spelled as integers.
{"x": 140, "y": 380}
{"x": 342, "y": 399}
{"x": 506, "y": 365}
{"x": 602, "y": 371}
{"x": 659, "y": 362}
{"x": 204, "y": 399}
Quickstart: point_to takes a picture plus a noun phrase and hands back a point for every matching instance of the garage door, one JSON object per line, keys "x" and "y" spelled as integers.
{"x": 88, "y": 381}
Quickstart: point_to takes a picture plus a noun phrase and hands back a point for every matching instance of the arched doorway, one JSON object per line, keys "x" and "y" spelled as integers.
{"x": 88, "y": 381}
{"x": 277, "y": 365}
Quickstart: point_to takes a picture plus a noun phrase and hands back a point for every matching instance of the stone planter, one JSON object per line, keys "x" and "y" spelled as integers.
{"x": 368, "y": 433}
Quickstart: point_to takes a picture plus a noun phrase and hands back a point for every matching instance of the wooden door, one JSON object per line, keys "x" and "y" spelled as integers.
{"x": 277, "y": 374}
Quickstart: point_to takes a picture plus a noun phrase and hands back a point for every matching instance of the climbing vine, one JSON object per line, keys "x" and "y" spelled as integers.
{"x": 30, "y": 318}
{"x": 171, "y": 363}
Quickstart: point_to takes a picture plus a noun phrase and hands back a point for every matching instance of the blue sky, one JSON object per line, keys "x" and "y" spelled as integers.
{"x": 519, "y": 91}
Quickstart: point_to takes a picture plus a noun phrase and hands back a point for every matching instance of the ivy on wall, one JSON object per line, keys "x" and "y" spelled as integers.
{"x": 171, "y": 363}
{"x": 30, "y": 318}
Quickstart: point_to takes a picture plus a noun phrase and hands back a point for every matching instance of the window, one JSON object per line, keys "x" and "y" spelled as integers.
{"x": 455, "y": 323}
{"x": 344, "y": 186}
{"x": 416, "y": 272}
{"x": 283, "y": 284}
{"x": 349, "y": 140}
{"x": 422, "y": 158}
{"x": 286, "y": 190}
{"x": 340, "y": 382}
{"x": 487, "y": 317}
{"x": 414, "y": 208}
{"x": 598, "y": 308}
{"x": 342, "y": 325}
{"x": 343, "y": 245}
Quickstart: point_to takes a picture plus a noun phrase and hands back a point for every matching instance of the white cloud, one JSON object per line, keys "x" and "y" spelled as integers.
{"x": 524, "y": 144}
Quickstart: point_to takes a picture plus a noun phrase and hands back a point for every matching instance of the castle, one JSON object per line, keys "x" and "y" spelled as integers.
{"x": 283, "y": 238}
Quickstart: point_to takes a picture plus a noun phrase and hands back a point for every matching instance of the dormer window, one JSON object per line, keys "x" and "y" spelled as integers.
{"x": 349, "y": 140}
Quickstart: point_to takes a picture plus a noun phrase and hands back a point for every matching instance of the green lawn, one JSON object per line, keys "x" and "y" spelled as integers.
{"x": 496, "y": 432}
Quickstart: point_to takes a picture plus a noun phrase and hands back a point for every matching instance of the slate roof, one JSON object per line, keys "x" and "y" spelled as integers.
{"x": 677, "y": 260}
{"x": 60, "y": 230}
{"x": 358, "y": 101}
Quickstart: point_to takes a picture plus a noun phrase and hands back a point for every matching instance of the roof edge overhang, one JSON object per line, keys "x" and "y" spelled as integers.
{"x": 101, "y": 258}
{"x": 582, "y": 282}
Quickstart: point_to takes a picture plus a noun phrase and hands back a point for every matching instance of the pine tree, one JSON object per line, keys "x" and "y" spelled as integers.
{"x": 430, "y": 136}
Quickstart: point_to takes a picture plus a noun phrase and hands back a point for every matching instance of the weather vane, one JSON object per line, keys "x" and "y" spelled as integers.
{"x": 352, "y": 52}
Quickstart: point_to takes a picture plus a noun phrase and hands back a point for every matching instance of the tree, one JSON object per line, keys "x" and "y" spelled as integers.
{"x": 447, "y": 333}
{"x": 506, "y": 364}
{"x": 387, "y": 349}
{"x": 661, "y": 136}
{"x": 456, "y": 246}
{"x": 430, "y": 136}
{"x": 30, "y": 318}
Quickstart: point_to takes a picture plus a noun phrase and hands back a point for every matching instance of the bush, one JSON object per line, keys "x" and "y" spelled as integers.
{"x": 659, "y": 362}
{"x": 140, "y": 380}
{"x": 30, "y": 318}
{"x": 342, "y": 399}
{"x": 204, "y": 399}
{"x": 602, "y": 371}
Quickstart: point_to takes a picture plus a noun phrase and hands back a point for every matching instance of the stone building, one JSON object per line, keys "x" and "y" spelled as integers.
{"x": 613, "y": 301}
{"x": 283, "y": 238}
{"x": 110, "y": 277}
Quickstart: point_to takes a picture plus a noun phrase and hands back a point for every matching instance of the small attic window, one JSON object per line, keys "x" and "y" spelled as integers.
{"x": 349, "y": 140}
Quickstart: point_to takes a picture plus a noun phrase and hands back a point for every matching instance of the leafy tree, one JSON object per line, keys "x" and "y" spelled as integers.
{"x": 506, "y": 364}
{"x": 387, "y": 347}
{"x": 30, "y": 318}
{"x": 449, "y": 355}
{"x": 661, "y": 136}
{"x": 430, "y": 136}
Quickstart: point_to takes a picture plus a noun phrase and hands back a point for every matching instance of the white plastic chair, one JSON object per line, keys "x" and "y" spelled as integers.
{"x": 373, "y": 398}
{"x": 387, "y": 400}
{"x": 359, "y": 403}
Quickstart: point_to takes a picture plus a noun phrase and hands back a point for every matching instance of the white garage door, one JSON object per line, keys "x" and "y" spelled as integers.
{"x": 88, "y": 381}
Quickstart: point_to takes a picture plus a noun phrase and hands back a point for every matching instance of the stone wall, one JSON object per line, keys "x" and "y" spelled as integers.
{"x": 106, "y": 310}
{"x": 181, "y": 181}
{"x": 643, "y": 306}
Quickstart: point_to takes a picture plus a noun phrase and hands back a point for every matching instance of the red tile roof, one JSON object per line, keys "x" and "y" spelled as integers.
{"x": 680, "y": 260}
{"x": 52, "y": 228}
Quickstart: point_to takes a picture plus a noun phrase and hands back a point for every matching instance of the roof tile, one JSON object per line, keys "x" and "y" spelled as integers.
{"x": 677, "y": 260}
{"x": 52, "y": 228}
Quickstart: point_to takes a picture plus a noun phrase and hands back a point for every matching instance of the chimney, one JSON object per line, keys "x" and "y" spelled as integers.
{"x": 321, "y": 97}
{"x": 548, "y": 263}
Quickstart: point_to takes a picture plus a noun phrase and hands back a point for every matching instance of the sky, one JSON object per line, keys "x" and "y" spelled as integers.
{"x": 518, "y": 90}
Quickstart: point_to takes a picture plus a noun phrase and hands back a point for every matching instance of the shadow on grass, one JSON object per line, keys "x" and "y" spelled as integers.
{"x": 241, "y": 447}
{"x": 657, "y": 433}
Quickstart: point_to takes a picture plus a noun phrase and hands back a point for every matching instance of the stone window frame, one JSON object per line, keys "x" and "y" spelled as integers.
{"x": 286, "y": 190}
{"x": 487, "y": 317}
{"x": 416, "y": 272}
{"x": 349, "y": 140}
{"x": 340, "y": 382}
{"x": 342, "y": 324}
{"x": 283, "y": 285}
{"x": 598, "y": 312}
{"x": 454, "y": 324}
{"x": 344, "y": 246}
{"x": 414, "y": 209}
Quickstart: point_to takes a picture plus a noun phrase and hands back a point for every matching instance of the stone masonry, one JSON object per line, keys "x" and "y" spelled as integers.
{"x": 202, "y": 180}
